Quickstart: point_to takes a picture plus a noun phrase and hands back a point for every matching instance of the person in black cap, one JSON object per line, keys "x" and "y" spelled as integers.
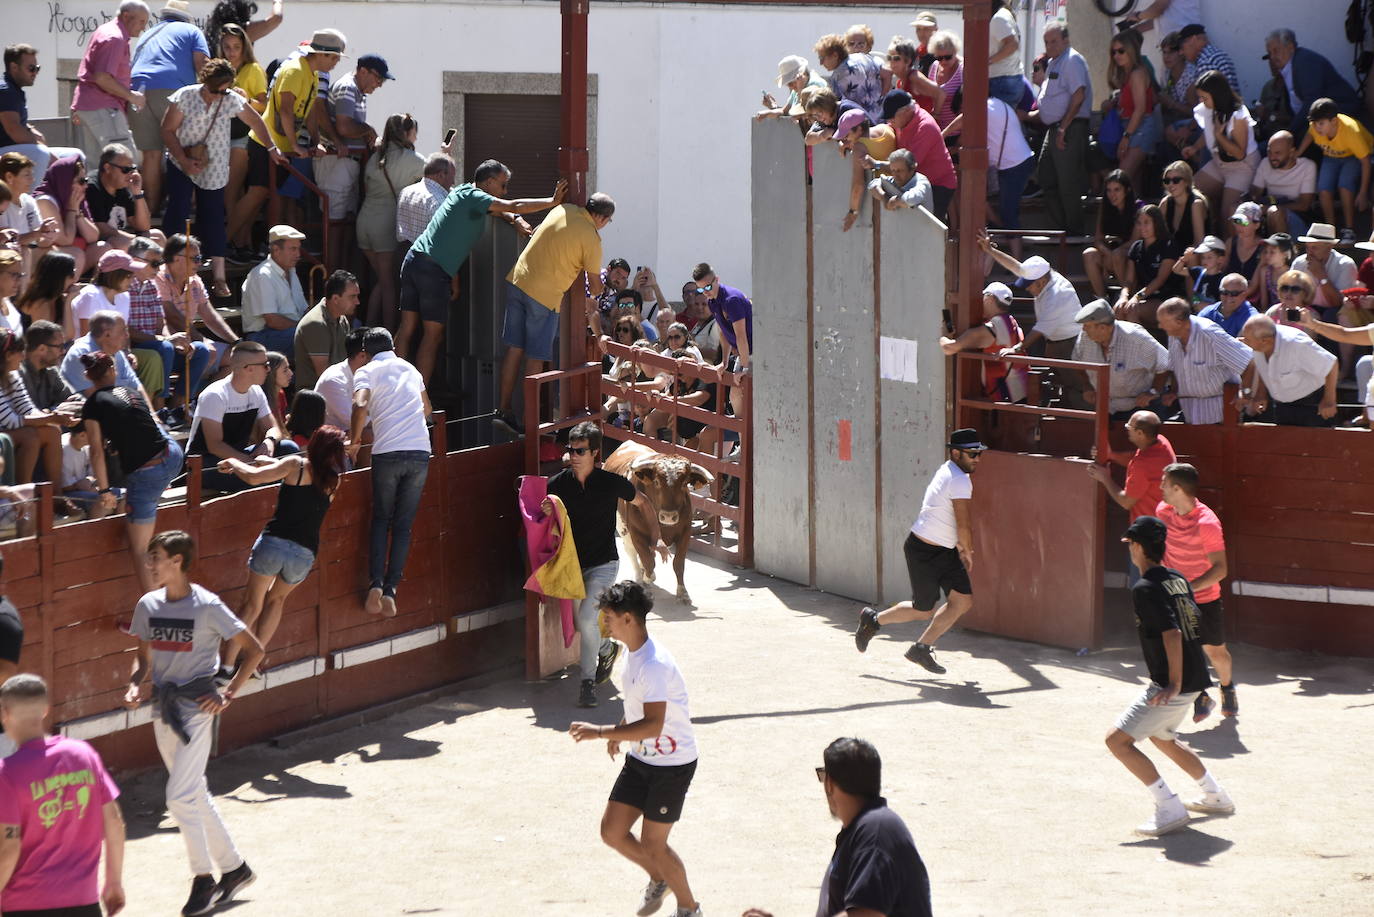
{"x": 1166, "y": 616}
{"x": 939, "y": 555}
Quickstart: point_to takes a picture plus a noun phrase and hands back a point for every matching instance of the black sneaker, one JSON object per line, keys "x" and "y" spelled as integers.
{"x": 224, "y": 675}
{"x": 1203, "y": 707}
{"x": 868, "y": 627}
{"x": 204, "y": 896}
{"x": 605, "y": 662}
{"x": 1229, "y": 705}
{"x": 587, "y": 696}
{"x": 924, "y": 657}
{"x": 235, "y": 881}
{"x": 506, "y": 420}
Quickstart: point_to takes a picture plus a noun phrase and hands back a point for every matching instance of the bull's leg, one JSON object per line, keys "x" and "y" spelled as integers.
{"x": 680, "y": 562}
{"x": 627, "y": 544}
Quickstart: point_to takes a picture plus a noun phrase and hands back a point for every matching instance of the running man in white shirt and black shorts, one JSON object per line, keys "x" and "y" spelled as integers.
{"x": 939, "y": 556}
{"x": 660, "y": 765}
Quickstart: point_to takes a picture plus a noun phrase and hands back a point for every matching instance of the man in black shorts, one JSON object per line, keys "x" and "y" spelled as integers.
{"x": 659, "y": 767}
{"x": 939, "y": 555}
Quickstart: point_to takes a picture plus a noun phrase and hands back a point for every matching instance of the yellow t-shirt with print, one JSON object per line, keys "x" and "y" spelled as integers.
{"x": 252, "y": 79}
{"x": 1351, "y": 139}
{"x": 297, "y": 78}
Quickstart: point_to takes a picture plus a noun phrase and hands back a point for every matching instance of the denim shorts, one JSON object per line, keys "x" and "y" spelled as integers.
{"x": 144, "y": 487}
{"x": 530, "y": 325}
{"x": 273, "y": 556}
{"x": 1337, "y": 172}
{"x": 425, "y": 287}
{"x": 1148, "y": 133}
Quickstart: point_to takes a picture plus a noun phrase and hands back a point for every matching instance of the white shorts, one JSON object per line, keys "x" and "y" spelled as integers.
{"x": 1141, "y": 720}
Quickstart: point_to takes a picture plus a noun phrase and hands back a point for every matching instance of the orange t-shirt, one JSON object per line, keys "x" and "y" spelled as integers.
{"x": 1144, "y": 473}
{"x": 1191, "y": 539}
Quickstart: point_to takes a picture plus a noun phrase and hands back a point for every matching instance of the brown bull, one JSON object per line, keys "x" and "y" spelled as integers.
{"x": 667, "y": 480}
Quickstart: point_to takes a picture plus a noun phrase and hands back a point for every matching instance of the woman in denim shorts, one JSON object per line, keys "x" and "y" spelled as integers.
{"x": 285, "y": 551}
{"x": 120, "y": 418}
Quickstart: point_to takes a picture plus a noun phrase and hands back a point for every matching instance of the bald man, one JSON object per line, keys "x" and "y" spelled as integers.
{"x": 1286, "y": 184}
{"x": 1292, "y": 371}
{"x": 1144, "y": 472}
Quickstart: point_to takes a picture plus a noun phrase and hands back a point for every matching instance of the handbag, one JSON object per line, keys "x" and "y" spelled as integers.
{"x": 1110, "y": 132}
{"x": 199, "y": 153}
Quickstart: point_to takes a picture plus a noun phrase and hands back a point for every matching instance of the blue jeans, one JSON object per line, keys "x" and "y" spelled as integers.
{"x": 273, "y": 556}
{"x": 595, "y": 579}
{"x": 282, "y": 340}
{"x": 1010, "y": 183}
{"x": 201, "y": 352}
{"x": 1009, "y": 89}
{"x": 398, "y": 478}
{"x": 144, "y": 487}
{"x": 211, "y": 226}
{"x": 1336, "y": 173}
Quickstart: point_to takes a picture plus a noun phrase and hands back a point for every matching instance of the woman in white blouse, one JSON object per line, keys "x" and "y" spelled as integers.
{"x": 1229, "y": 133}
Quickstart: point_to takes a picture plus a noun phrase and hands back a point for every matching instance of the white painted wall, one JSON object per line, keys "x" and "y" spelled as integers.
{"x": 677, "y": 86}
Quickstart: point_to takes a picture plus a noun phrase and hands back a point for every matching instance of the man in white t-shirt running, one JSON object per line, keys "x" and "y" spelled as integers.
{"x": 659, "y": 767}
{"x": 939, "y": 555}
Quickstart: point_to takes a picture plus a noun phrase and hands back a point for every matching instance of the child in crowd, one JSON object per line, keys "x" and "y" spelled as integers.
{"x": 1204, "y": 265}
{"x": 1344, "y": 170}
{"x": 78, "y": 478}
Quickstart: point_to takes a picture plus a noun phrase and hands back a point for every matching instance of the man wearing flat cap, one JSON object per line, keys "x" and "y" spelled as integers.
{"x": 1139, "y": 365}
{"x": 939, "y": 555}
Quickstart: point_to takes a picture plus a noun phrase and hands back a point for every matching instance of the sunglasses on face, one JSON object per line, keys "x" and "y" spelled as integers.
{"x": 624, "y": 330}
{"x": 706, "y": 289}
{"x": 944, "y": 58}
{"x": 125, "y": 169}
{"x": 154, "y": 264}
{"x": 671, "y": 337}
{"x": 579, "y": 450}
{"x": 1291, "y": 289}
{"x": 820, "y": 774}
{"x": 1174, "y": 179}
{"x": 895, "y": 57}
{"x": 1232, "y": 292}
{"x": 1116, "y": 51}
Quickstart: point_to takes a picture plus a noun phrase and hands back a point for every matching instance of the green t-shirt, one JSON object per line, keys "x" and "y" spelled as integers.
{"x": 455, "y": 227}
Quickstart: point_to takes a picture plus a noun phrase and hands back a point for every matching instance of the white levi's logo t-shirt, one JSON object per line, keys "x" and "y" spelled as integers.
{"x": 651, "y": 676}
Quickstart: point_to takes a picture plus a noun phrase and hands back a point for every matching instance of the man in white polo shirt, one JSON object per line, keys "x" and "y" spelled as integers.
{"x": 1292, "y": 371}
{"x": 390, "y": 393}
{"x": 1056, "y": 304}
{"x": 939, "y": 555}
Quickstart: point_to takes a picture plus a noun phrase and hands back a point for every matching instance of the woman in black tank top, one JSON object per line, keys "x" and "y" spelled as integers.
{"x": 284, "y": 553}
{"x": 1185, "y": 209}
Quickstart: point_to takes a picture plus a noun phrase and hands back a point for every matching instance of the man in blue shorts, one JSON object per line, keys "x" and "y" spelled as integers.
{"x": 430, "y": 270}
{"x": 659, "y": 767}
{"x": 565, "y": 245}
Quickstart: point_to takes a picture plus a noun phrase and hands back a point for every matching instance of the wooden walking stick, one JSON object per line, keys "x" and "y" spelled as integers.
{"x": 186, "y": 300}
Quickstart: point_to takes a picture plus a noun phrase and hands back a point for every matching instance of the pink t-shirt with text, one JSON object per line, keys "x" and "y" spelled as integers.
{"x": 55, "y": 790}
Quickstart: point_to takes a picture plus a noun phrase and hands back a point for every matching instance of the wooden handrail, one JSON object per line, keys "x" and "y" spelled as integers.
{"x": 1100, "y": 416}
{"x": 274, "y": 201}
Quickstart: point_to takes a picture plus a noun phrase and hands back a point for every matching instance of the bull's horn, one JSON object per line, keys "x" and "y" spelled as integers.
{"x": 706, "y": 475}
{"x": 644, "y": 461}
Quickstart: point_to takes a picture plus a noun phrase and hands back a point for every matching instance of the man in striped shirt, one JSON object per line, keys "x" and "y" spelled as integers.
{"x": 1202, "y": 359}
{"x": 1196, "y": 547}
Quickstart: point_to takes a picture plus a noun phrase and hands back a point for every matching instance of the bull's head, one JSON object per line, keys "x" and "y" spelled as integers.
{"x": 668, "y": 481}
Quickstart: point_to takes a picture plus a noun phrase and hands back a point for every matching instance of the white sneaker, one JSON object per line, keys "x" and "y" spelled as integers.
{"x": 1218, "y": 803}
{"x": 653, "y": 897}
{"x": 683, "y": 912}
{"x": 1170, "y": 815}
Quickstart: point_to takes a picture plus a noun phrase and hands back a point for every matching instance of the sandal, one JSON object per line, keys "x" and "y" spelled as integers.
{"x": 220, "y": 290}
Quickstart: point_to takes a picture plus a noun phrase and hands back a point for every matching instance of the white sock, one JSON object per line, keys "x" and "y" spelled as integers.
{"x": 1160, "y": 790}
{"x": 1208, "y": 783}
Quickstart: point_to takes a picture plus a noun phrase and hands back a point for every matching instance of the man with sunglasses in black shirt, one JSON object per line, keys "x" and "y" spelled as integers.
{"x": 115, "y": 195}
{"x": 592, "y": 498}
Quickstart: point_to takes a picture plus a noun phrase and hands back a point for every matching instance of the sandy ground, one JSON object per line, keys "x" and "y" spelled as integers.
{"x": 480, "y": 803}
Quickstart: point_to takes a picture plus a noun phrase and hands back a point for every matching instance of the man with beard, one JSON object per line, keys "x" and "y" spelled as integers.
{"x": 939, "y": 555}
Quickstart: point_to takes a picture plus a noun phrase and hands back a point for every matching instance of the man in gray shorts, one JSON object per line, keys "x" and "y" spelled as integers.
{"x": 1166, "y": 616}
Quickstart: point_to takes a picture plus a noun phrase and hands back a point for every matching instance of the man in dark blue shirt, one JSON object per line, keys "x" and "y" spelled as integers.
{"x": 1166, "y": 617}
{"x": 16, "y": 133}
{"x": 876, "y": 870}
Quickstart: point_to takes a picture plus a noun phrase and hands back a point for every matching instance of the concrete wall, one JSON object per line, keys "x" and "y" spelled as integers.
{"x": 842, "y": 455}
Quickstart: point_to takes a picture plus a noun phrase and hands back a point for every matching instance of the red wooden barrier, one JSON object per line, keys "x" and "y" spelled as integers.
{"x": 73, "y": 584}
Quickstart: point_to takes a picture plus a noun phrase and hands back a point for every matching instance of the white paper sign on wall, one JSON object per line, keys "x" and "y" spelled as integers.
{"x": 897, "y": 359}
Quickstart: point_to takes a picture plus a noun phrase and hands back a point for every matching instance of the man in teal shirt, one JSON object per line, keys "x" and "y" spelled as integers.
{"x": 429, "y": 273}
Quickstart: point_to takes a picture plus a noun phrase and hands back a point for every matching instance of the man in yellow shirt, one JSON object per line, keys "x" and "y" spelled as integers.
{"x": 1346, "y": 147}
{"x": 565, "y": 245}
{"x": 294, "y": 122}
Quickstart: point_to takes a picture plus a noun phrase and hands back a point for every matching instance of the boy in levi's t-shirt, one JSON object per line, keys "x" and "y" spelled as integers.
{"x": 659, "y": 767}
